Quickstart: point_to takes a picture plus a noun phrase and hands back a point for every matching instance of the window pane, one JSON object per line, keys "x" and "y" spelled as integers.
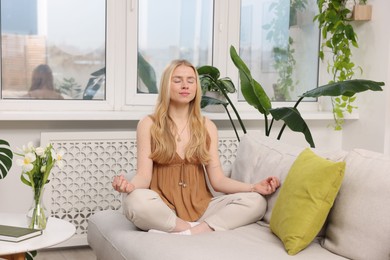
{"x": 280, "y": 42}
{"x": 50, "y": 48}
{"x": 172, "y": 29}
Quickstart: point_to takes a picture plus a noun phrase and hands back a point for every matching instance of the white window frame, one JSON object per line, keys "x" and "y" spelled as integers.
{"x": 24, "y": 108}
{"x": 122, "y": 100}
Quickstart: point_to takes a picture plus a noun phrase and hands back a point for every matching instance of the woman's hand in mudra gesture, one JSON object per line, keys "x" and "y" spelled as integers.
{"x": 267, "y": 186}
{"x": 120, "y": 184}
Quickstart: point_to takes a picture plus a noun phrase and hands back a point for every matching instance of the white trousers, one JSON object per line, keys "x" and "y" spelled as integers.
{"x": 147, "y": 210}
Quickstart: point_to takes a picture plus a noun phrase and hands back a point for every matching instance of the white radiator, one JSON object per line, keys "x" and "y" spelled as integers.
{"x": 91, "y": 160}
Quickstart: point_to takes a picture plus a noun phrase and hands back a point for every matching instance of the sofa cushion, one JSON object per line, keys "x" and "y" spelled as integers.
{"x": 259, "y": 156}
{"x": 359, "y": 223}
{"x": 113, "y": 237}
{"x": 305, "y": 199}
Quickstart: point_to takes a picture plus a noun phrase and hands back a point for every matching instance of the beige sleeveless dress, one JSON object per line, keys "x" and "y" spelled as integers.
{"x": 182, "y": 186}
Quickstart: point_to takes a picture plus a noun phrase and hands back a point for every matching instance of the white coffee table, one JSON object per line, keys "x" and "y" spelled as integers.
{"x": 57, "y": 231}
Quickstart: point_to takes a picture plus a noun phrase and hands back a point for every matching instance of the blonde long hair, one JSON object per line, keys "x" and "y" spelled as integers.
{"x": 163, "y": 141}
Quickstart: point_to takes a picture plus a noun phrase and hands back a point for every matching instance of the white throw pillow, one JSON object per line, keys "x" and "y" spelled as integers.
{"x": 359, "y": 223}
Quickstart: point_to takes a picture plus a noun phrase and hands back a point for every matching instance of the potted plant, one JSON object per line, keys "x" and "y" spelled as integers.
{"x": 284, "y": 65}
{"x": 210, "y": 82}
{"x": 285, "y": 12}
{"x": 255, "y": 95}
{"x": 362, "y": 11}
{"x": 214, "y": 87}
{"x": 6, "y": 156}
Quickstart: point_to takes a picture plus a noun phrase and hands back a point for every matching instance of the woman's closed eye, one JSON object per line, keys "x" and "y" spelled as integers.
{"x": 191, "y": 80}
{"x": 178, "y": 80}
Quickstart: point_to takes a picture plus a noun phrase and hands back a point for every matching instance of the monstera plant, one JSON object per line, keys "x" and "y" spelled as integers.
{"x": 6, "y": 156}
{"x": 255, "y": 95}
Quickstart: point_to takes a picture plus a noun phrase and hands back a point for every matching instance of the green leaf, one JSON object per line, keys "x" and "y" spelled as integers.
{"x": 352, "y": 99}
{"x": 30, "y": 255}
{"x": 209, "y": 70}
{"x": 94, "y": 83}
{"x": 350, "y": 33}
{"x": 24, "y": 180}
{"x": 147, "y": 74}
{"x": 252, "y": 91}
{"x": 344, "y": 88}
{"x": 206, "y": 83}
{"x": 267, "y": 27}
{"x": 209, "y": 80}
{"x": 227, "y": 85}
{"x": 293, "y": 119}
{"x": 6, "y": 156}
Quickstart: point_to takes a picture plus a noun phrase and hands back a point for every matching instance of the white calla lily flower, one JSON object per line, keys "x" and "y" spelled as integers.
{"x": 29, "y": 148}
{"x": 27, "y": 162}
{"x": 36, "y": 164}
{"x": 40, "y": 151}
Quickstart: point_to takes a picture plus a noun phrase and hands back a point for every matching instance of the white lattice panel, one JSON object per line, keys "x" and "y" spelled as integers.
{"x": 91, "y": 160}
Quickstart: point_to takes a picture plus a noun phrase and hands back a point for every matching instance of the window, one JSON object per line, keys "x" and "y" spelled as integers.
{"x": 114, "y": 51}
{"x": 167, "y": 30}
{"x": 172, "y": 29}
{"x": 279, "y": 42}
{"x": 50, "y": 48}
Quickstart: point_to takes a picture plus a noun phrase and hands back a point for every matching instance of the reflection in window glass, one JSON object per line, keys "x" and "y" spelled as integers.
{"x": 50, "y": 48}
{"x": 172, "y": 29}
{"x": 279, "y": 42}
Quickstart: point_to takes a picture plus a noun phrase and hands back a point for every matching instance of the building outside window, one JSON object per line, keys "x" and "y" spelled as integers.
{"x": 50, "y": 48}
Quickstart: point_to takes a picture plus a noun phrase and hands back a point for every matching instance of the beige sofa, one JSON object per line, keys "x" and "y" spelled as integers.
{"x": 357, "y": 226}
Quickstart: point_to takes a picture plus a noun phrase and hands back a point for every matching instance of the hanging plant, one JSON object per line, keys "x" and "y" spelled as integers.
{"x": 338, "y": 36}
{"x": 285, "y": 13}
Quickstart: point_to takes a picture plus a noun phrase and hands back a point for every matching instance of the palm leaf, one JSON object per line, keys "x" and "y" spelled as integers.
{"x": 147, "y": 74}
{"x": 293, "y": 119}
{"x": 344, "y": 88}
{"x": 252, "y": 91}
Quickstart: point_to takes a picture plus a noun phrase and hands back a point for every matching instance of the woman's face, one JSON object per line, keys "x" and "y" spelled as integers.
{"x": 183, "y": 85}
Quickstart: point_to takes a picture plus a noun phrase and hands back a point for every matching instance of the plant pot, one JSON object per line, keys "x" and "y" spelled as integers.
{"x": 279, "y": 94}
{"x": 362, "y": 12}
{"x": 215, "y": 108}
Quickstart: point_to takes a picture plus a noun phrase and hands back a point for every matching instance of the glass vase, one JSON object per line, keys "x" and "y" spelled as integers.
{"x": 37, "y": 215}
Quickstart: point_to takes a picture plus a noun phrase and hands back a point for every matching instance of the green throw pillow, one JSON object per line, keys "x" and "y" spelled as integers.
{"x": 305, "y": 199}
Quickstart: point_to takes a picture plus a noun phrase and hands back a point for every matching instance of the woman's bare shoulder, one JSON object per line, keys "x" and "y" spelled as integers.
{"x": 209, "y": 124}
{"x": 145, "y": 123}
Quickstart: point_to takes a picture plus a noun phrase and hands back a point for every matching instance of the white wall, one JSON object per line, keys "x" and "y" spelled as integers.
{"x": 387, "y": 108}
{"x": 373, "y": 56}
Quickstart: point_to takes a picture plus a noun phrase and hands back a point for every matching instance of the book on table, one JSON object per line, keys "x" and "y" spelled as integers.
{"x": 16, "y": 234}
